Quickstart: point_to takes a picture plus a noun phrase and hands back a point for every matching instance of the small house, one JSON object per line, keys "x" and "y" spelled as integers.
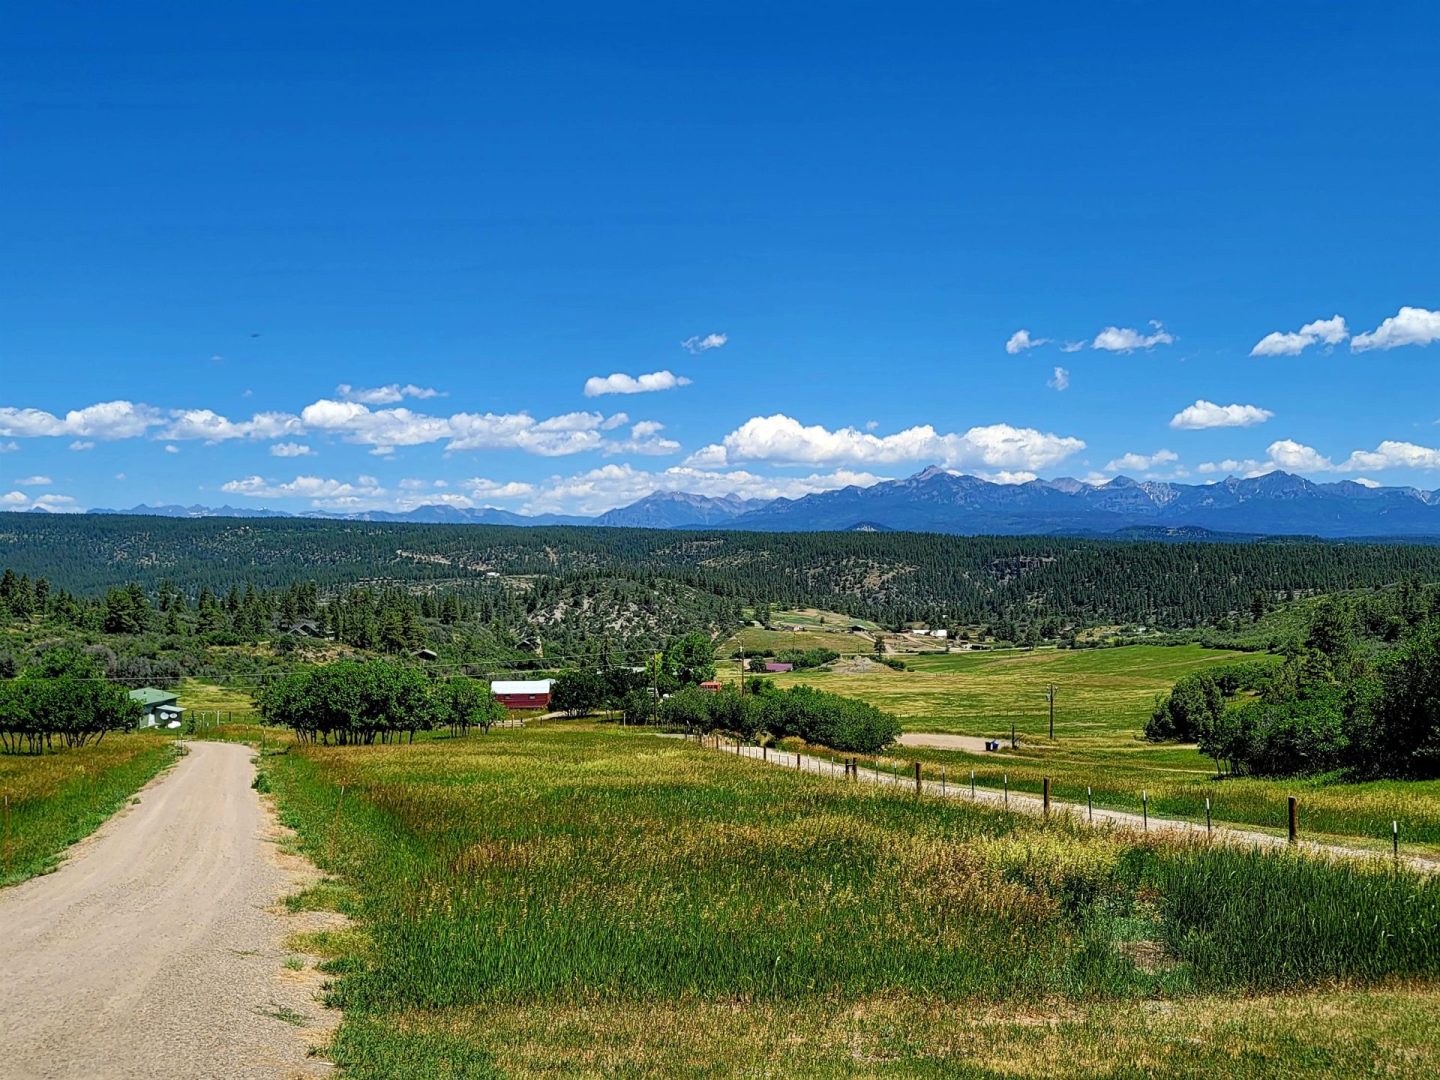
{"x": 158, "y": 708}
{"x": 712, "y": 685}
{"x": 522, "y": 693}
{"x": 774, "y": 666}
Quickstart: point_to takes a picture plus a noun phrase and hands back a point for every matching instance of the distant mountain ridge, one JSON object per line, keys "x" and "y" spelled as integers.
{"x": 936, "y": 500}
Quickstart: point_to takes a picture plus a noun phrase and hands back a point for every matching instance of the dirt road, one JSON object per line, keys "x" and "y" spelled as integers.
{"x": 152, "y": 951}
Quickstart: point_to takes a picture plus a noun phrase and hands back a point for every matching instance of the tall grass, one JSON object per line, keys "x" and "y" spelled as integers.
{"x": 59, "y": 798}
{"x": 583, "y": 868}
{"x": 1243, "y": 918}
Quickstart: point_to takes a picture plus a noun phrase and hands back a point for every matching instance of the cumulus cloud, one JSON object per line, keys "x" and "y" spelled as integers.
{"x": 1021, "y": 340}
{"x": 55, "y": 504}
{"x": 782, "y": 439}
{"x": 320, "y": 490}
{"x": 1410, "y": 326}
{"x": 645, "y": 438}
{"x": 1142, "y": 463}
{"x": 482, "y": 488}
{"x": 609, "y": 486}
{"x": 1124, "y": 339}
{"x": 1060, "y": 380}
{"x": 105, "y": 420}
{"x": 698, "y": 344}
{"x": 384, "y": 395}
{"x": 9, "y": 447}
{"x": 213, "y": 428}
{"x": 1329, "y": 331}
{"x": 1072, "y": 346}
{"x": 1293, "y": 456}
{"x": 620, "y": 383}
{"x": 35, "y": 481}
{"x": 1206, "y": 414}
{"x": 82, "y": 444}
{"x": 290, "y": 449}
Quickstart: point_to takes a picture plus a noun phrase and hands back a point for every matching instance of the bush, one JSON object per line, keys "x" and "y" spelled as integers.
{"x": 1193, "y": 706}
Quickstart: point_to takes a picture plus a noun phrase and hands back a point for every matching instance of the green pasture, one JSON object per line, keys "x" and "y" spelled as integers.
{"x": 578, "y": 899}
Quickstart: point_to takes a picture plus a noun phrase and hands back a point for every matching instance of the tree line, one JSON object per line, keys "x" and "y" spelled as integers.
{"x": 1359, "y": 695}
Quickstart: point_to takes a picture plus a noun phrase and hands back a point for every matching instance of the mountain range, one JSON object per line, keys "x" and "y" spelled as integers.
{"x": 936, "y": 500}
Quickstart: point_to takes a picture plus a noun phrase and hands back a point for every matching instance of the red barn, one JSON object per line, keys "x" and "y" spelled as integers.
{"x": 522, "y": 694}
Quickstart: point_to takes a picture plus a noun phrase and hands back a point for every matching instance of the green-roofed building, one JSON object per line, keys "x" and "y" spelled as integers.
{"x": 160, "y": 708}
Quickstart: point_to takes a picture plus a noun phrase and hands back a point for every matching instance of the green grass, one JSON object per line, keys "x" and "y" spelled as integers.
{"x": 587, "y": 900}
{"x": 1102, "y": 692}
{"x": 59, "y": 798}
{"x": 1104, "y": 697}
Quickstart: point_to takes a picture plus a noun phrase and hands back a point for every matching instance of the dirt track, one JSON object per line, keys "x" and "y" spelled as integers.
{"x": 154, "y": 951}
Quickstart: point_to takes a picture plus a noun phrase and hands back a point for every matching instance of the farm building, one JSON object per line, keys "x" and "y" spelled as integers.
{"x": 159, "y": 708}
{"x": 711, "y": 685}
{"x": 774, "y": 666}
{"x": 522, "y": 693}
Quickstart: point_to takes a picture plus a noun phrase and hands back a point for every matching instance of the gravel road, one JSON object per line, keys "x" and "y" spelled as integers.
{"x": 155, "y": 950}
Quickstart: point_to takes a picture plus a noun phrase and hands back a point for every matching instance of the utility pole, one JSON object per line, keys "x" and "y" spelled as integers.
{"x": 1050, "y": 697}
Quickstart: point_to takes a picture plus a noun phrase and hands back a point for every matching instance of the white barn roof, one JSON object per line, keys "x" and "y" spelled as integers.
{"x": 533, "y": 686}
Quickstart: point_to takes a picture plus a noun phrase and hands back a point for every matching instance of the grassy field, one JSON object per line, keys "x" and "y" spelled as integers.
{"x": 1102, "y": 692}
{"x": 56, "y": 799}
{"x": 1103, "y": 699}
{"x": 578, "y": 899}
{"x": 812, "y": 629}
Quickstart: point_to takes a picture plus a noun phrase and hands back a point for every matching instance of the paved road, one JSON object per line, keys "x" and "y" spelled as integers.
{"x": 1030, "y": 804}
{"x": 151, "y": 952}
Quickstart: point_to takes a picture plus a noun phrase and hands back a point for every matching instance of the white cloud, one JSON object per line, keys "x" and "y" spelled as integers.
{"x": 213, "y": 428}
{"x": 1231, "y": 466}
{"x": 645, "y": 438}
{"x": 106, "y": 420}
{"x": 9, "y": 447}
{"x": 620, "y": 383}
{"x": 482, "y": 488}
{"x": 1021, "y": 340}
{"x": 1365, "y": 481}
{"x": 1330, "y": 331}
{"x": 385, "y": 395}
{"x": 1142, "y": 462}
{"x": 1060, "y": 380}
{"x": 35, "y": 481}
{"x": 1072, "y": 346}
{"x": 171, "y": 448}
{"x": 698, "y": 344}
{"x": 82, "y": 444}
{"x": 1292, "y": 456}
{"x": 1411, "y": 326}
{"x": 1392, "y": 454}
{"x": 321, "y": 491}
{"x": 610, "y": 486}
{"x": 1206, "y": 414}
{"x": 784, "y": 440}
{"x": 1124, "y": 339}
{"x": 18, "y": 500}
{"x": 290, "y": 449}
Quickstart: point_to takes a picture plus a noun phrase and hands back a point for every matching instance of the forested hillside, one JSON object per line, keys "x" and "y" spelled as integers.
{"x": 889, "y": 577}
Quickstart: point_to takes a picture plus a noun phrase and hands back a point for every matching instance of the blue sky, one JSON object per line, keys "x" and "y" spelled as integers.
{"x": 216, "y": 221}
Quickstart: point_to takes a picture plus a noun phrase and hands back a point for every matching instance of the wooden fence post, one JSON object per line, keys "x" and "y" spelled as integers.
{"x": 1293, "y": 805}
{"x": 1046, "y": 795}
{"x": 1145, "y": 809}
{"x": 917, "y": 778}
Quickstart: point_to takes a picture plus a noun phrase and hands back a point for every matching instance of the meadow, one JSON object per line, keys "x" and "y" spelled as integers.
{"x": 1103, "y": 699}
{"x": 582, "y": 899}
{"x": 58, "y": 798}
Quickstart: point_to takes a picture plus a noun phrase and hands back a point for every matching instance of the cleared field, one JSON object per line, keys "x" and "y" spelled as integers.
{"x": 805, "y": 628}
{"x": 1103, "y": 693}
{"x": 59, "y": 798}
{"x": 577, "y": 899}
